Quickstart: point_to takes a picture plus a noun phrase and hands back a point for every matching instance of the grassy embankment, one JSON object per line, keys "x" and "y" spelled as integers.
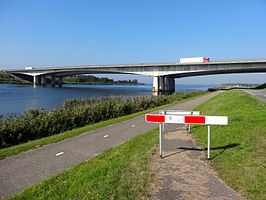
{"x": 262, "y": 86}
{"x": 238, "y": 149}
{"x": 118, "y": 173}
{"x": 238, "y": 154}
{"x": 17, "y": 126}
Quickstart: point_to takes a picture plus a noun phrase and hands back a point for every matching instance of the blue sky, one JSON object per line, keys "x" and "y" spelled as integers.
{"x": 60, "y": 33}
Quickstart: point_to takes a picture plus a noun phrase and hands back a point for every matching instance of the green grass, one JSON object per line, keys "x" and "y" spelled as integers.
{"x": 238, "y": 149}
{"x": 68, "y": 134}
{"x": 118, "y": 173}
{"x": 262, "y": 86}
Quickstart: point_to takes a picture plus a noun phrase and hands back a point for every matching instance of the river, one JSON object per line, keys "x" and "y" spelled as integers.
{"x": 18, "y": 98}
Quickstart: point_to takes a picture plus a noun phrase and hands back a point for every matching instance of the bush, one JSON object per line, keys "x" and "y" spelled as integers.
{"x": 34, "y": 123}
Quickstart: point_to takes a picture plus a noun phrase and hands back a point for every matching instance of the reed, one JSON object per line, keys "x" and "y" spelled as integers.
{"x": 37, "y": 123}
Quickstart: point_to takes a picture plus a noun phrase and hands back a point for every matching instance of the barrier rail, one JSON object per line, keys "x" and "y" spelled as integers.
{"x": 162, "y": 119}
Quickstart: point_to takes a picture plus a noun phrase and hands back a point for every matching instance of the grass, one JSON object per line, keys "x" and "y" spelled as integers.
{"x": 262, "y": 86}
{"x": 5, "y": 152}
{"x": 238, "y": 149}
{"x": 118, "y": 173}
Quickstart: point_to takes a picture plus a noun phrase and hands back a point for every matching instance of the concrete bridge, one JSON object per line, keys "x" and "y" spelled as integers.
{"x": 163, "y": 74}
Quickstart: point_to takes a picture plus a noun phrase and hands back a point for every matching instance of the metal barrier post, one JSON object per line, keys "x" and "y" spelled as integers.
{"x": 209, "y": 141}
{"x": 189, "y": 126}
{"x": 161, "y": 138}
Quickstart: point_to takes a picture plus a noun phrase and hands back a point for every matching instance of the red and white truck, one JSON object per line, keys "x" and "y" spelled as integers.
{"x": 194, "y": 60}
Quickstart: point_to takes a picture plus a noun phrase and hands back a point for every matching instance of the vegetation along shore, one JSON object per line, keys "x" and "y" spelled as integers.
{"x": 123, "y": 172}
{"x": 36, "y": 123}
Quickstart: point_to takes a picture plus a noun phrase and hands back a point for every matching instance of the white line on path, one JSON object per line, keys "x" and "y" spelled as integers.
{"x": 59, "y": 154}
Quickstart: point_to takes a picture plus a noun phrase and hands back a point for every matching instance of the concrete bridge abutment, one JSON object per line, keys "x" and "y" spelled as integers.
{"x": 163, "y": 85}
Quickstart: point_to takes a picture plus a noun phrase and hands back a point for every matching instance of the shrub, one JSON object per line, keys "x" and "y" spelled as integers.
{"x": 34, "y": 123}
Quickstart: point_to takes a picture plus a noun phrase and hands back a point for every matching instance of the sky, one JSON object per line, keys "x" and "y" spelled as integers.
{"x": 63, "y": 33}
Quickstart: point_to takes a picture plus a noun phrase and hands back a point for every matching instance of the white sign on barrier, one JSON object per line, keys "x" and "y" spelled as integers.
{"x": 179, "y": 112}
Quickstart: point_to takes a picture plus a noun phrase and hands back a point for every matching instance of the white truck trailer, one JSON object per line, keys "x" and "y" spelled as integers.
{"x": 28, "y": 68}
{"x": 194, "y": 60}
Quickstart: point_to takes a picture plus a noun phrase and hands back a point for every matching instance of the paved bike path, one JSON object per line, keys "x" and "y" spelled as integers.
{"x": 28, "y": 168}
{"x": 184, "y": 173}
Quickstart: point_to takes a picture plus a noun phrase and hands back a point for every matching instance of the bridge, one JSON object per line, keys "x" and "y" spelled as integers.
{"x": 163, "y": 74}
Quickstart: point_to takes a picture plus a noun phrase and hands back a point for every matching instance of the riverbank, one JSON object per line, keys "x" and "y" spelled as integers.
{"x": 6, "y": 78}
{"x": 76, "y": 150}
{"x": 37, "y": 123}
{"x": 93, "y": 80}
{"x": 124, "y": 172}
{"x": 18, "y": 98}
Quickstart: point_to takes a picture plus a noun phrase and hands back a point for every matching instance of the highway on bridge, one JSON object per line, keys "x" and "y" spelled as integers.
{"x": 163, "y": 74}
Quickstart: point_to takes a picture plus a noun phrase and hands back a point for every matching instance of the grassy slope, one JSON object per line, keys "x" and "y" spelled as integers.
{"x": 239, "y": 149}
{"x": 118, "y": 173}
{"x": 68, "y": 134}
{"x": 262, "y": 86}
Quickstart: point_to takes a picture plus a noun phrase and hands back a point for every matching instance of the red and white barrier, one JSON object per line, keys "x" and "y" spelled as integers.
{"x": 180, "y": 112}
{"x": 174, "y": 119}
{"x": 187, "y": 119}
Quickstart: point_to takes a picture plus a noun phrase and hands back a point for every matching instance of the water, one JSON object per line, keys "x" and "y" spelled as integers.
{"x": 18, "y": 98}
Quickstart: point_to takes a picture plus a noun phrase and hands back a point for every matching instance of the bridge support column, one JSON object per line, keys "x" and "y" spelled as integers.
{"x": 169, "y": 85}
{"x": 43, "y": 81}
{"x": 163, "y": 85}
{"x": 34, "y": 81}
{"x": 53, "y": 81}
{"x": 155, "y": 86}
{"x": 60, "y": 81}
{"x": 158, "y": 85}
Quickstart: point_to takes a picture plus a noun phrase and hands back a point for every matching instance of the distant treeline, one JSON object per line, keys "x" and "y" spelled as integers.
{"x": 8, "y": 79}
{"x": 36, "y": 123}
{"x": 76, "y": 79}
{"x": 88, "y": 79}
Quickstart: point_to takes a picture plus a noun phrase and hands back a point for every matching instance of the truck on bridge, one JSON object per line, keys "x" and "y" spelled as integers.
{"x": 28, "y": 68}
{"x": 194, "y": 60}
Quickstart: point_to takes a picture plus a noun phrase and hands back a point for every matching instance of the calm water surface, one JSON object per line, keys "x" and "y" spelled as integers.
{"x": 18, "y": 98}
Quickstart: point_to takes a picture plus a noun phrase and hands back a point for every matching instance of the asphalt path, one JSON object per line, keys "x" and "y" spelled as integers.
{"x": 259, "y": 94}
{"x": 184, "y": 172}
{"x": 28, "y": 168}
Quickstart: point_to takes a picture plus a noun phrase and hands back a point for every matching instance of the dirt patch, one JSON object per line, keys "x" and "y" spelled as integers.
{"x": 184, "y": 172}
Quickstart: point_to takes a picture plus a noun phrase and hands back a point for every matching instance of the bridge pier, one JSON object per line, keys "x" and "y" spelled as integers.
{"x": 34, "y": 81}
{"x": 53, "y": 81}
{"x": 60, "y": 81}
{"x": 163, "y": 85}
{"x": 43, "y": 81}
